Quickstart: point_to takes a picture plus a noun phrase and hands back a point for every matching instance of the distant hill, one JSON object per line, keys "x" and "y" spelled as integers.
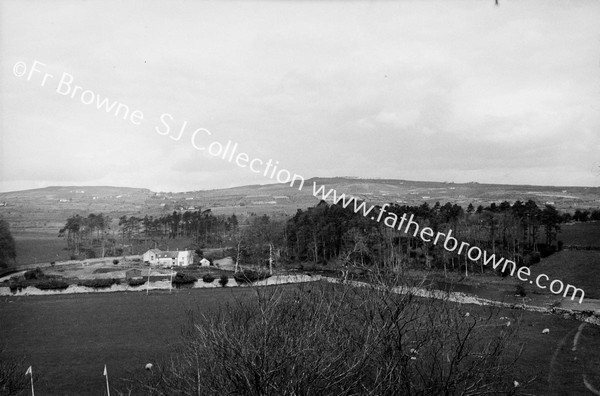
{"x": 46, "y": 209}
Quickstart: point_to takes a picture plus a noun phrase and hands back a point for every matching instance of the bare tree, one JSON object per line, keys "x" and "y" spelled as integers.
{"x": 338, "y": 339}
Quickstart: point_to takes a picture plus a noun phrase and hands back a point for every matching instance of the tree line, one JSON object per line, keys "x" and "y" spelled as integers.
{"x": 87, "y": 234}
{"x": 330, "y": 233}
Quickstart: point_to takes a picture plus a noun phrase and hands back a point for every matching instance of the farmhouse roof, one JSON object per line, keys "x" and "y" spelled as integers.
{"x": 169, "y": 254}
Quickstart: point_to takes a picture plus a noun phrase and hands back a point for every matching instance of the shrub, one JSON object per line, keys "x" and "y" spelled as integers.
{"x": 52, "y": 284}
{"x": 248, "y": 276}
{"x": 34, "y": 274}
{"x": 208, "y": 278}
{"x": 97, "y": 283}
{"x": 223, "y": 281}
{"x": 15, "y": 284}
{"x": 183, "y": 279}
{"x": 545, "y": 250}
{"x": 115, "y": 261}
{"x": 370, "y": 340}
{"x": 136, "y": 281}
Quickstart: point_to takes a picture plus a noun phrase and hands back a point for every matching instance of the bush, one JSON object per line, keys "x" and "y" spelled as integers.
{"x": 52, "y": 284}
{"x": 249, "y": 276}
{"x": 545, "y": 250}
{"x": 98, "y": 283}
{"x": 370, "y": 340}
{"x": 34, "y": 274}
{"x": 208, "y": 278}
{"x": 15, "y": 284}
{"x": 115, "y": 261}
{"x": 223, "y": 281}
{"x": 136, "y": 281}
{"x": 183, "y": 279}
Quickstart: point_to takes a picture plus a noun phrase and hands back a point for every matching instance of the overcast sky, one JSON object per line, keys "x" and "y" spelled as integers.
{"x": 422, "y": 90}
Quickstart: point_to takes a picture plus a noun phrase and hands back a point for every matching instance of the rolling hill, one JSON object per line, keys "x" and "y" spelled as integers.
{"x": 45, "y": 210}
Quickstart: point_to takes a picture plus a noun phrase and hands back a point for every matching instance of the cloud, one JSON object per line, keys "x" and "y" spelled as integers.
{"x": 425, "y": 90}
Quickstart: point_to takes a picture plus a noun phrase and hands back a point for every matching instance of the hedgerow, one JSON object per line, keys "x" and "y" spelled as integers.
{"x": 99, "y": 283}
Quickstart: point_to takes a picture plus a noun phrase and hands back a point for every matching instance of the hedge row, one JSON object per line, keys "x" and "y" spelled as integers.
{"x": 99, "y": 283}
{"x": 136, "y": 281}
{"x": 183, "y": 279}
{"x": 249, "y": 276}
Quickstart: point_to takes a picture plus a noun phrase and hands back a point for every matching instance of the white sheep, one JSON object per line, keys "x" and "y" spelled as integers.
{"x": 149, "y": 366}
{"x": 546, "y": 331}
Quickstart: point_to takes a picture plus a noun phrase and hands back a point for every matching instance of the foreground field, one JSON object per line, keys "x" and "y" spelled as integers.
{"x": 68, "y": 339}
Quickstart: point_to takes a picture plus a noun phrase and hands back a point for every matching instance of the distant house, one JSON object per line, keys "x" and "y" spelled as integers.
{"x": 204, "y": 262}
{"x": 151, "y": 256}
{"x": 181, "y": 258}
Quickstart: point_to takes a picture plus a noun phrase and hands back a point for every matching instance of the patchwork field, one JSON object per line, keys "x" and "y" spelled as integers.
{"x": 69, "y": 338}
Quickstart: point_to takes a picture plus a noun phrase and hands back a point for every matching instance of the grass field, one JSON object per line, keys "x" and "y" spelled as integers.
{"x": 582, "y": 234}
{"x": 69, "y": 338}
{"x": 580, "y": 268}
{"x": 40, "y": 248}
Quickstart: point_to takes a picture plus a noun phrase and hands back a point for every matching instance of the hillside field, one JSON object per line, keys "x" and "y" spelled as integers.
{"x": 580, "y": 268}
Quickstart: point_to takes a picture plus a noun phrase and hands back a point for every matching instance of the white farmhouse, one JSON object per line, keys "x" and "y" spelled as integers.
{"x": 181, "y": 258}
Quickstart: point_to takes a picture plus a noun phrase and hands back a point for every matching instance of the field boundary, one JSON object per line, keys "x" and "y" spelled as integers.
{"x": 587, "y": 316}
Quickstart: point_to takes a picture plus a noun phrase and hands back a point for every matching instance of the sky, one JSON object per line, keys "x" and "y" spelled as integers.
{"x": 453, "y": 90}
